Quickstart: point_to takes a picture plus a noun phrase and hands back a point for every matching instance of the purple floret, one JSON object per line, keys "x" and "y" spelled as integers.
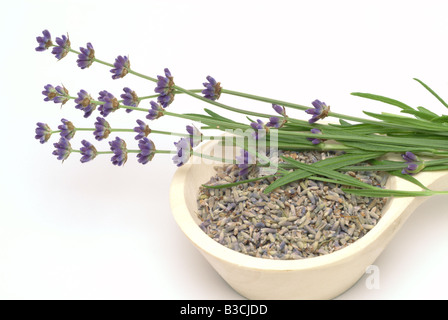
{"x": 86, "y": 57}
{"x": 102, "y": 129}
{"x": 165, "y": 88}
{"x": 183, "y": 152}
{"x": 88, "y": 151}
{"x": 43, "y": 132}
{"x": 212, "y": 89}
{"x": 118, "y": 147}
{"x": 122, "y": 66}
{"x": 44, "y": 42}
{"x": 63, "y": 47}
{"x": 147, "y": 150}
{"x": 63, "y": 149}
{"x": 110, "y": 103}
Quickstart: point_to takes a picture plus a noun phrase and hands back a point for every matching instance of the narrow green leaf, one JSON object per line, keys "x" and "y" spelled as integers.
{"x": 391, "y": 193}
{"x": 217, "y": 116}
{"x": 408, "y": 178}
{"x": 345, "y": 179}
{"x": 330, "y": 163}
{"x": 383, "y": 99}
{"x": 432, "y": 92}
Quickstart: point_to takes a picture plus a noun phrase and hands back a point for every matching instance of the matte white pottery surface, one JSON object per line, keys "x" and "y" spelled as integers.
{"x": 323, "y": 277}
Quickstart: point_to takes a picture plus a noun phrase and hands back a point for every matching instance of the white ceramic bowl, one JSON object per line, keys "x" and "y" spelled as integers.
{"x": 322, "y": 277}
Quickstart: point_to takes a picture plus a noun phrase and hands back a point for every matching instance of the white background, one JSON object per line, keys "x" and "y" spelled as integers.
{"x": 96, "y": 231}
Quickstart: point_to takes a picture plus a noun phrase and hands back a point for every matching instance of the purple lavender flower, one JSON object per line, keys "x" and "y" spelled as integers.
{"x": 165, "y": 88}
{"x": 110, "y": 103}
{"x": 43, "y": 132}
{"x": 88, "y": 151}
{"x": 320, "y": 111}
{"x": 410, "y": 157}
{"x": 102, "y": 129}
{"x": 195, "y": 136}
{"x": 315, "y": 140}
{"x": 86, "y": 57}
{"x": 122, "y": 66}
{"x": 183, "y": 152}
{"x": 147, "y": 150}
{"x": 143, "y": 130}
{"x": 118, "y": 147}
{"x": 84, "y": 103}
{"x": 57, "y": 95}
{"x": 63, "y": 47}
{"x": 67, "y": 129}
{"x": 155, "y": 112}
{"x": 279, "y": 109}
{"x": 44, "y": 42}
{"x": 245, "y": 162}
{"x": 414, "y": 164}
{"x": 259, "y": 129}
{"x": 274, "y": 122}
{"x": 212, "y": 89}
{"x": 130, "y": 98}
{"x": 63, "y": 149}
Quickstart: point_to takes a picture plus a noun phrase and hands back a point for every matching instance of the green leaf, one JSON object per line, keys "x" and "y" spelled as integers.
{"x": 383, "y": 99}
{"x": 330, "y": 163}
{"x": 390, "y": 193}
{"x": 343, "y": 178}
{"x": 432, "y": 92}
{"x": 408, "y": 178}
{"x": 217, "y": 116}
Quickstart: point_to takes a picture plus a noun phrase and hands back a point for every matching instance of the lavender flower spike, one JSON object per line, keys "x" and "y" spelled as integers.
{"x": 259, "y": 129}
{"x": 122, "y": 66}
{"x": 245, "y": 162}
{"x": 110, "y": 103}
{"x": 279, "y": 109}
{"x": 118, "y": 147}
{"x": 414, "y": 164}
{"x": 274, "y": 122}
{"x": 86, "y": 57}
{"x": 147, "y": 150}
{"x": 320, "y": 111}
{"x": 63, "y": 149}
{"x": 212, "y": 89}
{"x": 130, "y": 99}
{"x": 67, "y": 129}
{"x": 44, "y": 42}
{"x": 88, "y": 151}
{"x": 183, "y": 152}
{"x": 57, "y": 95}
{"x": 165, "y": 88}
{"x": 63, "y": 47}
{"x": 43, "y": 132}
{"x": 315, "y": 140}
{"x": 155, "y": 112}
{"x": 195, "y": 136}
{"x": 143, "y": 130}
{"x": 102, "y": 129}
{"x": 84, "y": 103}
